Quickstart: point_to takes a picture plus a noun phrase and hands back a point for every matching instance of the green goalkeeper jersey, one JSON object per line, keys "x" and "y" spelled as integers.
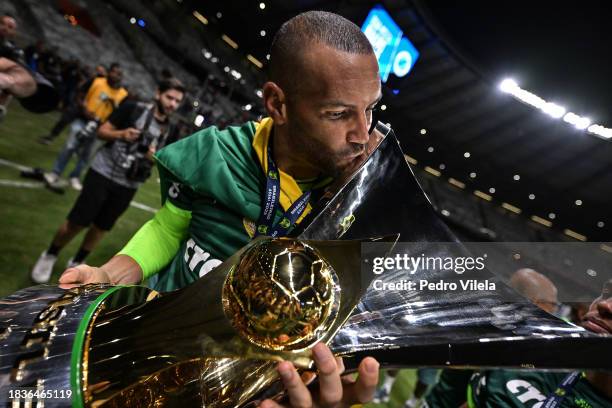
{"x": 218, "y": 176}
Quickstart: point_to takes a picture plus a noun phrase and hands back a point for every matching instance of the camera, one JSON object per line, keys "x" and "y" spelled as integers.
{"x": 141, "y": 166}
{"x": 88, "y": 131}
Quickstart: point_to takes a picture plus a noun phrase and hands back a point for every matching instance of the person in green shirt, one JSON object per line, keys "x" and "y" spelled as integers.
{"x": 533, "y": 389}
{"x": 221, "y": 188}
{"x": 529, "y": 389}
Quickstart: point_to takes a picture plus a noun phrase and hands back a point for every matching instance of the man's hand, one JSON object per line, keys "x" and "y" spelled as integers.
{"x": 84, "y": 274}
{"x": 130, "y": 134}
{"x": 119, "y": 270}
{"x": 334, "y": 391}
{"x": 151, "y": 152}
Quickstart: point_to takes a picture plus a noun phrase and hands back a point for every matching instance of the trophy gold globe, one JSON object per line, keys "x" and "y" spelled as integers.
{"x": 281, "y": 295}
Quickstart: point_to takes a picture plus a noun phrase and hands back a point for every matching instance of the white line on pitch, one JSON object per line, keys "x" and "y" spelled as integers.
{"x": 23, "y": 184}
{"x": 14, "y": 165}
{"x": 28, "y": 184}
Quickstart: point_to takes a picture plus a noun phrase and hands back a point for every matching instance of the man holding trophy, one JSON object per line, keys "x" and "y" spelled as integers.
{"x": 222, "y": 188}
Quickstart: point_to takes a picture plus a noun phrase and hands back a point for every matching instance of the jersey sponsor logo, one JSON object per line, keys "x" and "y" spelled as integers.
{"x": 199, "y": 261}
{"x": 285, "y": 223}
{"x": 174, "y": 190}
{"x": 526, "y": 393}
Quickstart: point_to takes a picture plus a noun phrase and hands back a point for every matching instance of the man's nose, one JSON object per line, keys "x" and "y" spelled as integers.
{"x": 360, "y": 134}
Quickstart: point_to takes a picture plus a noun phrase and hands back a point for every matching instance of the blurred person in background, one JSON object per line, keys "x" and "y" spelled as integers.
{"x": 133, "y": 133}
{"x": 33, "y": 53}
{"x": 537, "y": 288}
{"x": 524, "y": 388}
{"x": 101, "y": 99}
{"x": 50, "y": 65}
{"x": 71, "y": 78}
{"x": 8, "y": 30}
{"x": 73, "y": 104}
{"x": 100, "y": 71}
{"x": 449, "y": 391}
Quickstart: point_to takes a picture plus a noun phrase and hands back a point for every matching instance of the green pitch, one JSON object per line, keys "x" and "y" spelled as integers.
{"x": 29, "y": 217}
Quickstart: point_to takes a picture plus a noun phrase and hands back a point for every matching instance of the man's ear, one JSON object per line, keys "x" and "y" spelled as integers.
{"x": 274, "y": 102}
{"x": 157, "y": 94}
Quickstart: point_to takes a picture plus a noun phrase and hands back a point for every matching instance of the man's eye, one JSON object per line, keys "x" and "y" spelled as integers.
{"x": 336, "y": 115}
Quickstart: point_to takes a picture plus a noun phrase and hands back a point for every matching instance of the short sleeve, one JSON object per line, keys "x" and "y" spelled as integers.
{"x": 121, "y": 117}
{"x": 175, "y": 191}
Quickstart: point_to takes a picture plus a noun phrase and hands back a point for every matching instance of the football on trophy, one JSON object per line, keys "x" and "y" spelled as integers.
{"x": 281, "y": 295}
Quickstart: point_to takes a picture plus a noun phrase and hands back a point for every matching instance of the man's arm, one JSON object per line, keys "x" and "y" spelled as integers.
{"x": 120, "y": 124}
{"x": 149, "y": 250}
{"x": 15, "y": 79}
{"x": 119, "y": 270}
{"x": 81, "y": 95}
{"x": 108, "y": 131}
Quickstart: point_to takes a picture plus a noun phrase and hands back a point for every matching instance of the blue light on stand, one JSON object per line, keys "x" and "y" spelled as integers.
{"x": 395, "y": 53}
{"x": 141, "y": 22}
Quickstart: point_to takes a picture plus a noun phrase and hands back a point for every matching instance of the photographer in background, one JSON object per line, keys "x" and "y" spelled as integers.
{"x": 103, "y": 95}
{"x": 133, "y": 133}
{"x": 73, "y": 104}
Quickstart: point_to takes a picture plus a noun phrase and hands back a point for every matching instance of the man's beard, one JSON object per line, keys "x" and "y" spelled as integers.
{"x": 160, "y": 108}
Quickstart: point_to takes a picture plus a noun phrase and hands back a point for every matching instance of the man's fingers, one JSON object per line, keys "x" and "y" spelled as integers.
{"x": 131, "y": 134}
{"x": 299, "y": 396}
{"x": 83, "y": 274}
{"x": 340, "y": 364}
{"x": 363, "y": 389}
{"x": 269, "y": 404}
{"x": 68, "y": 285}
{"x": 71, "y": 275}
{"x": 330, "y": 386}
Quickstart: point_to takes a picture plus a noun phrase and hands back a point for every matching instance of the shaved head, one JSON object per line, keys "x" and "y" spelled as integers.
{"x": 296, "y": 37}
{"x": 535, "y": 287}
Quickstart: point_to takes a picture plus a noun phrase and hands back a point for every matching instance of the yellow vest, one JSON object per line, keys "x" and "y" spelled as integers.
{"x": 101, "y": 99}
